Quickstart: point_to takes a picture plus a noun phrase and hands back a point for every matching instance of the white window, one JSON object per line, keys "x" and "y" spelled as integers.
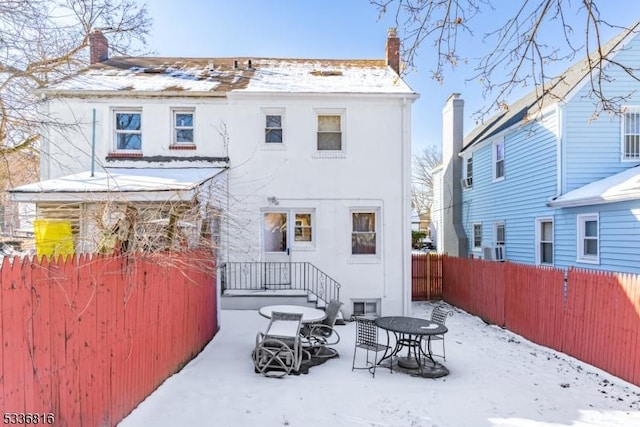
{"x": 467, "y": 180}
{"x": 365, "y": 308}
{"x": 273, "y": 129}
{"x": 183, "y": 127}
{"x": 303, "y": 228}
{"x": 363, "y": 233}
{"x": 631, "y": 134}
{"x": 588, "y": 238}
{"x": 128, "y": 130}
{"x": 477, "y": 236}
{"x": 498, "y": 160}
{"x": 544, "y": 241}
{"x": 329, "y": 132}
{"x": 498, "y": 233}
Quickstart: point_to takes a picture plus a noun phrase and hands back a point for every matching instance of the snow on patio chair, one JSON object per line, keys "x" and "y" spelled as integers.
{"x": 318, "y": 337}
{"x": 278, "y": 350}
{"x": 439, "y": 315}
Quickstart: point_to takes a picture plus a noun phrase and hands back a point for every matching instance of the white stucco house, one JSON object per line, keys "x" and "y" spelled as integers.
{"x": 298, "y": 169}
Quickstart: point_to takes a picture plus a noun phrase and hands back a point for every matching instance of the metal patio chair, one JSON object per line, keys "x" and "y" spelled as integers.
{"x": 278, "y": 350}
{"x": 319, "y": 337}
{"x": 439, "y": 315}
{"x": 367, "y": 339}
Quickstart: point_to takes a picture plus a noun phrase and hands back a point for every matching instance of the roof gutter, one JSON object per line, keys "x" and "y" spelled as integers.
{"x": 52, "y": 93}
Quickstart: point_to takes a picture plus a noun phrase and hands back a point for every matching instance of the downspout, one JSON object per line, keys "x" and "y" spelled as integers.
{"x": 406, "y": 228}
{"x": 93, "y": 145}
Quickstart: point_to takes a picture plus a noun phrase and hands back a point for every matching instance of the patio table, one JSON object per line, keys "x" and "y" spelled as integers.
{"x": 409, "y": 333}
{"x": 309, "y": 314}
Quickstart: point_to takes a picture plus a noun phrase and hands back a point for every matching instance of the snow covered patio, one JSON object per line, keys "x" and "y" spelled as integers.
{"x": 496, "y": 378}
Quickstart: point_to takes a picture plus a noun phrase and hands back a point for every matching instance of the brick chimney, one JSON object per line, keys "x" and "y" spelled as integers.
{"x": 393, "y": 50}
{"x": 98, "y": 47}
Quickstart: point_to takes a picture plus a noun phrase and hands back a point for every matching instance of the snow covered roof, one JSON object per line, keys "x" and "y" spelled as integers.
{"x": 217, "y": 76}
{"x": 148, "y": 184}
{"x": 621, "y": 187}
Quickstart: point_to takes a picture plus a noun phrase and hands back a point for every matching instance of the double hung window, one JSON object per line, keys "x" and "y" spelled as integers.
{"x": 477, "y": 236}
{"x": 544, "y": 241}
{"x": 183, "y": 127}
{"x": 128, "y": 130}
{"x": 588, "y": 238}
{"x": 363, "y": 234}
{"x": 467, "y": 180}
{"x": 329, "y": 132}
{"x": 499, "y": 234}
{"x": 273, "y": 129}
{"x": 631, "y": 134}
{"x": 498, "y": 160}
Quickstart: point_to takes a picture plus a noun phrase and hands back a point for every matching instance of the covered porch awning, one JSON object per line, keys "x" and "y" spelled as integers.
{"x": 621, "y": 187}
{"x": 123, "y": 184}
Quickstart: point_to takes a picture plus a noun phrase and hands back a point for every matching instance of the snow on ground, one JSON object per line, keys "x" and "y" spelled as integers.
{"x": 496, "y": 379}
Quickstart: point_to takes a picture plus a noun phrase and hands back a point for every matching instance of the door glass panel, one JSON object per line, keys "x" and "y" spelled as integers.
{"x": 275, "y": 232}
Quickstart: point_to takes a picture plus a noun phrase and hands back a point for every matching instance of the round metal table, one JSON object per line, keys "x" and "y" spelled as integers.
{"x": 309, "y": 314}
{"x": 409, "y": 332}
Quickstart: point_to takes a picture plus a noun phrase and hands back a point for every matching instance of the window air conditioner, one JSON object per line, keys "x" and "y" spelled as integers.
{"x": 466, "y": 182}
{"x": 493, "y": 253}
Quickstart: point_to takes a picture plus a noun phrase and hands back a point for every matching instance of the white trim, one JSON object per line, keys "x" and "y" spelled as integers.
{"x": 538, "y": 240}
{"x": 560, "y": 122}
{"x": 581, "y": 219}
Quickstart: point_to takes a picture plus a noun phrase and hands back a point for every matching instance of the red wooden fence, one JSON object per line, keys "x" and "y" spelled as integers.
{"x": 87, "y": 339}
{"x": 426, "y": 277}
{"x": 595, "y": 317}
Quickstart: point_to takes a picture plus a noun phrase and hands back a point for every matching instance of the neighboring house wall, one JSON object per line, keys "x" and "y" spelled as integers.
{"x": 545, "y": 158}
{"x": 593, "y": 144}
{"x": 520, "y": 196}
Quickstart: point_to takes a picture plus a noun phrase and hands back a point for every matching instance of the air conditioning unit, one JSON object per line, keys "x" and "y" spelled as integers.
{"x": 493, "y": 253}
{"x": 466, "y": 182}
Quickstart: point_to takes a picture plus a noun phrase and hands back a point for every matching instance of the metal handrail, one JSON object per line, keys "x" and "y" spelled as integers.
{"x": 256, "y": 275}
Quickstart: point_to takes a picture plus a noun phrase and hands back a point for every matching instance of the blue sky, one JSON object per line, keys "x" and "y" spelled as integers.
{"x": 336, "y": 29}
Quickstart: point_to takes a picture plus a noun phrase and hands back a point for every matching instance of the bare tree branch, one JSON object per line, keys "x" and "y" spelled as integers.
{"x": 422, "y": 179}
{"x": 519, "y": 50}
{"x": 41, "y": 41}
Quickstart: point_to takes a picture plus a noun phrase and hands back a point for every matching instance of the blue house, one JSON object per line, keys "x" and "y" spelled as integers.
{"x": 548, "y": 182}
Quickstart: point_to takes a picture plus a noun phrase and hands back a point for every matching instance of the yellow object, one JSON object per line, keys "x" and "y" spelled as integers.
{"x": 53, "y": 237}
